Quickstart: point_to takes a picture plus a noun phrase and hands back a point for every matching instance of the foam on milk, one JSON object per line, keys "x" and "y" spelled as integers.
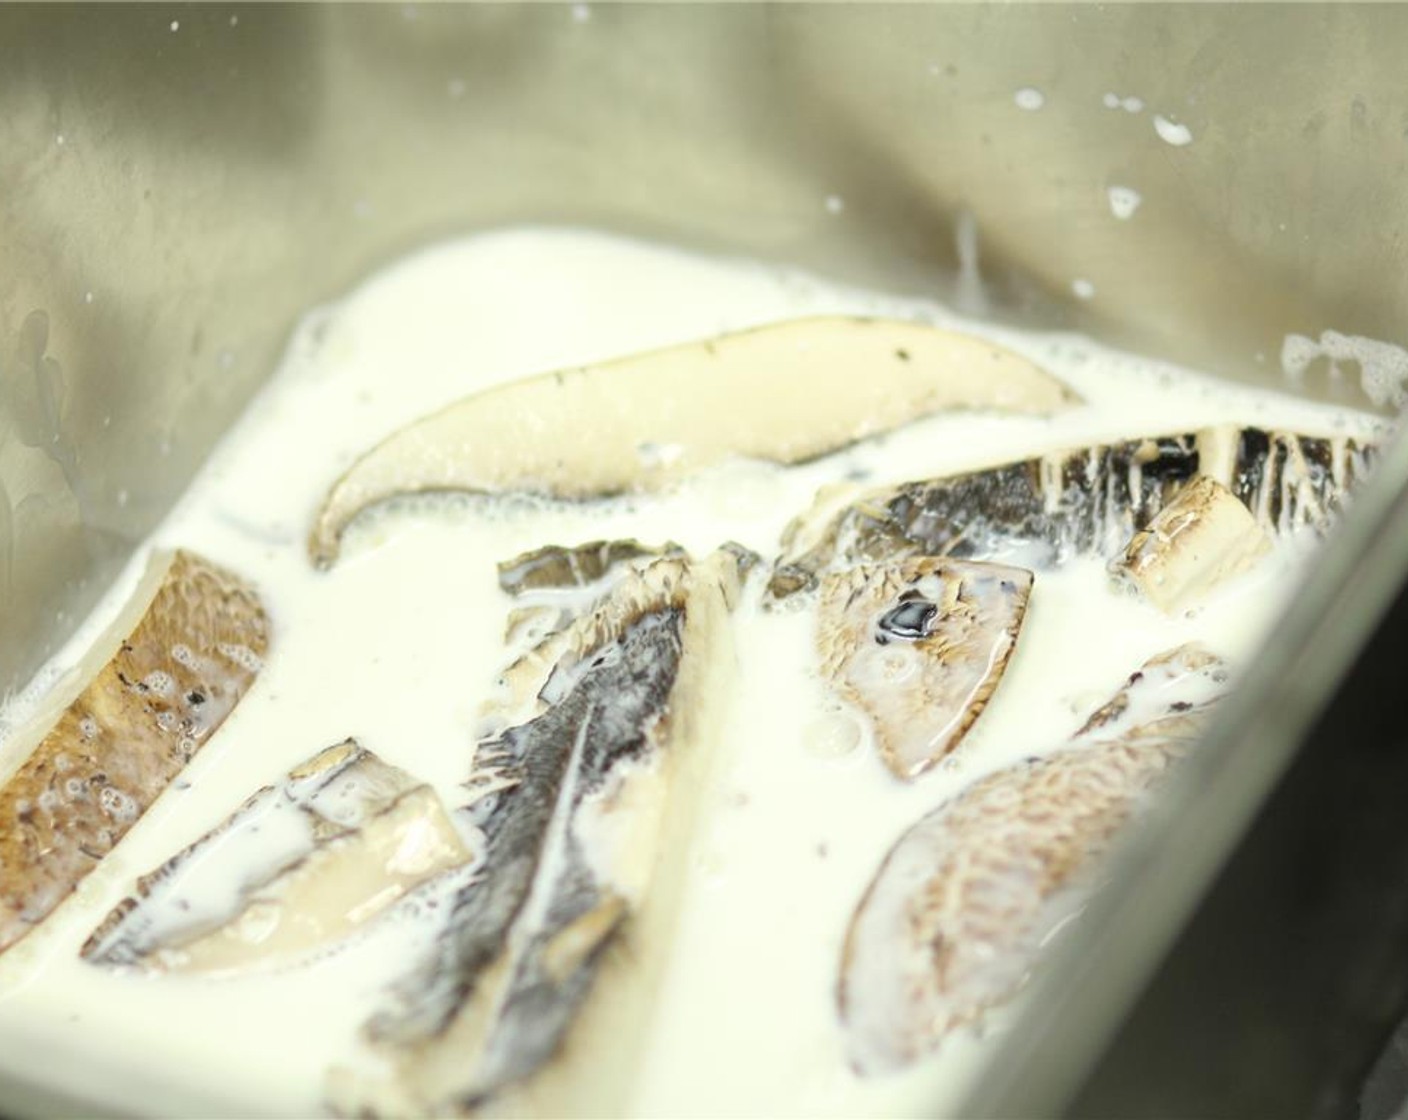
{"x": 400, "y": 643}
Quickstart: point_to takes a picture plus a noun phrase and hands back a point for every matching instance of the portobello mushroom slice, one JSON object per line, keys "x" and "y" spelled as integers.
{"x": 558, "y": 568}
{"x": 807, "y": 387}
{"x": 520, "y": 691}
{"x": 554, "y": 584}
{"x": 296, "y": 868}
{"x": 143, "y": 701}
{"x": 957, "y": 915}
{"x": 1203, "y": 537}
{"x": 1089, "y": 500}
{"x": 585, "y": 808}
{"x": 918, "y": 647}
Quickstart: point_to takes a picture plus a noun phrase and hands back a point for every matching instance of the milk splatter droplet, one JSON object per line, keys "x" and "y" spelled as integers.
{"x": 1128, "y": 104}
{"x": 835, "y": 204}
{"x": 1082, "y": 288}
{"x": 1124, "y": 201}
{"x": 970, "y": 295}
{"x": 1029, "y": 98}
{"x": 1171, "y": 132}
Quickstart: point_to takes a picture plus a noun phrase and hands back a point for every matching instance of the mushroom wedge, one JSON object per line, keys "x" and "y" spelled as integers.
{"x": 143, "y": 701}
{"x": 1087, "y": 500}
{"x": 585, "y": 808}
{"x": 1203, "y": 537}
{"x": 296, "y": 868}
{"x": 783, "y": 393}
{"x": 554, "y": 584}
{"x": 958, "y": 913}
{"x": 919, "y": 646}
{"x": 560, "y": 568}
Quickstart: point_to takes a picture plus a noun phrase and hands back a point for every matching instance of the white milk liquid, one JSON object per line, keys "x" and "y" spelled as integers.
{"x": 400, "y": 642}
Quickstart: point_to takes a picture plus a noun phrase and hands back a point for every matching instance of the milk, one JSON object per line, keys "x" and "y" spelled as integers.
{"x": 399, "y": 644}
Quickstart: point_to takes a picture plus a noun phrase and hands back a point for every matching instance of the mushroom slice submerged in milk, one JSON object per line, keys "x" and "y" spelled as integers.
{"x": 297, "y": 867}
{"x": 577, "y": 806}
{"x": 784, "y": 393}
{"x": 1201, "y": 538}
{"x": 556, "y": 567}
{"x": 146, "y": 698}
{"x": 955, "y": 917}
{"x": 554, "y": 584}
{"x": 1086, "y": 500}
{"x": 918, "y": 646}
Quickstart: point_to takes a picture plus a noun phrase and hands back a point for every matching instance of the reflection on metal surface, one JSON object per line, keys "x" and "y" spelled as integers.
{"x": 1385, "y": 1094}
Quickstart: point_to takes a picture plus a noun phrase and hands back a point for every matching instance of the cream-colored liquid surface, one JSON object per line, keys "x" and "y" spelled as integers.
{"x": 398, "y": 645}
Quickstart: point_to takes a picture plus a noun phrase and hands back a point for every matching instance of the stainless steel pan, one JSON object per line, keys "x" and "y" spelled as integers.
{"x": 179, "y": 183}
